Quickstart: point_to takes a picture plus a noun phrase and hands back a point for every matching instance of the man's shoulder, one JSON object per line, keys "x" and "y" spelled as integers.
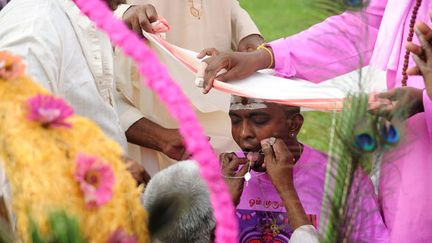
{"x": 32, "y": 11}
{"x": 35, "y": 19}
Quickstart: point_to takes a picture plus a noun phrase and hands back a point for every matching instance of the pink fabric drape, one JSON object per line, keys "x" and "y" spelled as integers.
{"x": 375, "y": 36}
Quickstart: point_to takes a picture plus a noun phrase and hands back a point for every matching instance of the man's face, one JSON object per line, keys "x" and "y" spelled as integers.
{"x": 249, "y": 127}
{"x": 113, "y": 4}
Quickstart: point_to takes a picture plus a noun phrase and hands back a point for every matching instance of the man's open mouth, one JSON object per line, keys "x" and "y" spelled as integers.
{"x": 256, "y": 157}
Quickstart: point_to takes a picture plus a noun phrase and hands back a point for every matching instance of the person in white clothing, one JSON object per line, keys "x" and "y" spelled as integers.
{"x": 194, "y": 25}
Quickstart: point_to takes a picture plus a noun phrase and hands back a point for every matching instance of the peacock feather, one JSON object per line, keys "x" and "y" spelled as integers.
{"x": 358, "y": 138}
{"x": 359, "y": 141}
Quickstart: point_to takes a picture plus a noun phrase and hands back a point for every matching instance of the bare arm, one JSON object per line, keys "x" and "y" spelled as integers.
{"x": 279, "y": 163}
{"x": 334, "y": 47}
{"x": 148, "y": 134}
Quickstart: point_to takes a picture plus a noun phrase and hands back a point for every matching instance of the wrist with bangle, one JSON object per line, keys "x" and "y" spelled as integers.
{"x": 267, "y": 49}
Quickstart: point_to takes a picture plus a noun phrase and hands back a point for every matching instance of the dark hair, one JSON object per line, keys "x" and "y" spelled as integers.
{"x": 291, "y": 110}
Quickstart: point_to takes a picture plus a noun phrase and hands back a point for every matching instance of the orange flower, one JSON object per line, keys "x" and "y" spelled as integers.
{"x": 11, "y": 66}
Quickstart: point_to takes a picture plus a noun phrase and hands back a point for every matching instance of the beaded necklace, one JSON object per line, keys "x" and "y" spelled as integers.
{"x": 409, "y": 39}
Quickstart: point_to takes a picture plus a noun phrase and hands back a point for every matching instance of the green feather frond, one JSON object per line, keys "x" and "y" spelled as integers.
{"x": 359, "y": 137}
{"x": 357, "y": 146}
{"x": 63, "y": 229}
{"x": 340, "y": 168}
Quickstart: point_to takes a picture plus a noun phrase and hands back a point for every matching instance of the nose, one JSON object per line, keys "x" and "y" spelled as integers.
{"x": 246, "y": 133}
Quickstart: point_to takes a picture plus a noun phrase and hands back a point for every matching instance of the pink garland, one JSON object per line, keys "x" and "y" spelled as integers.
{"x": 158, "y": 79}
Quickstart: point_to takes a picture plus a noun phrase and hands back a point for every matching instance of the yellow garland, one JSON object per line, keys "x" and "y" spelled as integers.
{"x": 40, "y": 164}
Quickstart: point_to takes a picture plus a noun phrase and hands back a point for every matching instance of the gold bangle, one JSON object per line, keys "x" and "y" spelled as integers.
{"x": 265, "y": 47}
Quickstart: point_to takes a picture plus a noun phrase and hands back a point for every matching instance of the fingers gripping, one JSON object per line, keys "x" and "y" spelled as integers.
{"x": 282, "y": 152}
{"x": 425, "y": 44}
{"x": 230, "y": 163}
{"x": 243, "y": 171}
{"x": 225, "y": 159}
{"x": 144, "y": 22}
{"x": 215, "y": 66}
{"x": 208, "y": 52}
{"x": 269, "y": 157}
{"x": 151, "y": 13}
{"x": 421, "y": 65}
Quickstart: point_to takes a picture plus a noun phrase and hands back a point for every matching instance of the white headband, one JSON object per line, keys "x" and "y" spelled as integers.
{"x": 241, "y": 103}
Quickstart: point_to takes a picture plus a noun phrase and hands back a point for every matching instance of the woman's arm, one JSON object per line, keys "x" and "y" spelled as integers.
{"x": 334, "y": 47}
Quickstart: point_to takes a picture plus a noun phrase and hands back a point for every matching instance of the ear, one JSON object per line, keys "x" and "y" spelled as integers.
{"x": 295, "y": 123}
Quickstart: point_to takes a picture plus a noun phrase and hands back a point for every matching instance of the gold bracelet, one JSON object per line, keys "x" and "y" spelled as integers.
{"x": 265, "y": 47}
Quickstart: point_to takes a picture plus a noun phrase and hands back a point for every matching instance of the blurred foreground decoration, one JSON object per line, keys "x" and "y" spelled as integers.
{"x": 40, "y": 141}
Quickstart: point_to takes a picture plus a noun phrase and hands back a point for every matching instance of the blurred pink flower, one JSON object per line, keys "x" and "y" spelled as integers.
{"x": 49, "y": 111}
{"x": 96, "y": 180}
{"x": 121, "y": 236}
{"x": 11, "y": 66}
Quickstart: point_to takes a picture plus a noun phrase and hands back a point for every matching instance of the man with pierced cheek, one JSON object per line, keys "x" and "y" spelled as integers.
{"x": 277, "y": 183}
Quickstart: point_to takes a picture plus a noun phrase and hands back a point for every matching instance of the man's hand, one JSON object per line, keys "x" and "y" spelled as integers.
{"x": 279, "y": 162}
{"x": 238, "y": 65}
{"x": 140, "y": 17}
{"x": 172, "y": 145}
{"x": 137, "y": 170}
{"x": 211, "y": 52}
{"x": 422, "y": 55}
{"x": 148, "y": 134}
{"x": 401, "y": 103}
{"x": 234, "y": 178}
{"x": 250, "y": 43}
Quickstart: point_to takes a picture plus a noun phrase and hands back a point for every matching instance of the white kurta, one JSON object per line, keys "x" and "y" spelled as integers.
{"x": 222, "y": 24}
